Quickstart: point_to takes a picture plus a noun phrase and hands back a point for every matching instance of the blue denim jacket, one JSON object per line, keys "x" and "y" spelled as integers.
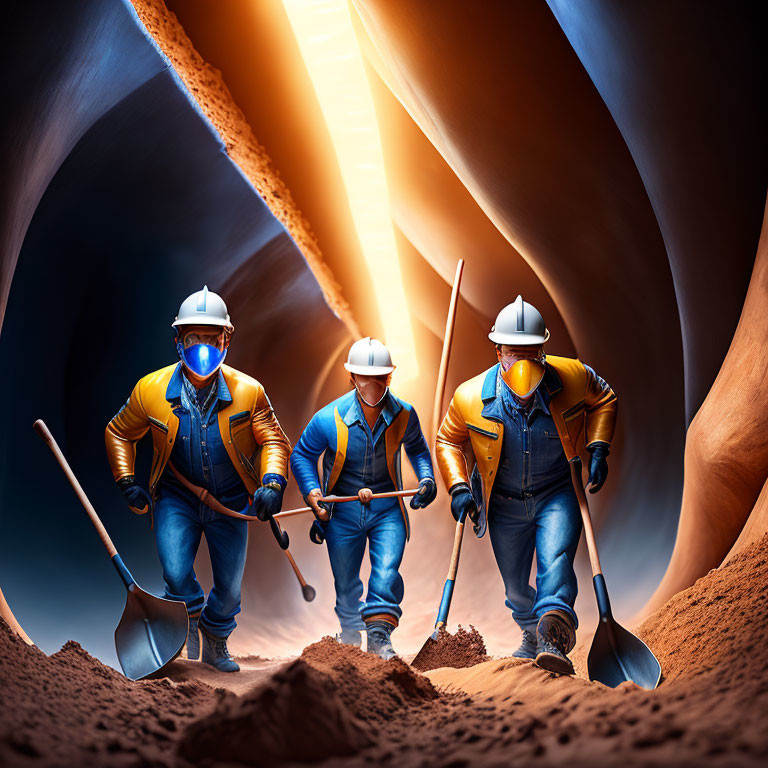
{"x": 354, "y": 456}
{"x": 366, "y": 463}
{"x": 532, "y": 458}
{"x": 199, "y": 452}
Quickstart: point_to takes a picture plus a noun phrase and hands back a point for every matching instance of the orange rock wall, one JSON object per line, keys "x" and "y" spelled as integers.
{"x": 726, "y": 451}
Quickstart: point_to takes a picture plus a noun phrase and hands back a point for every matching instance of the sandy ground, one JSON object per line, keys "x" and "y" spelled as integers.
{"x": 253, "y": 672}
{"x": 336, "y": 705}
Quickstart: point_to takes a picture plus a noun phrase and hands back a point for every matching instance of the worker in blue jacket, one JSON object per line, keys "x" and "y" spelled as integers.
{"x": 359, "y": 436}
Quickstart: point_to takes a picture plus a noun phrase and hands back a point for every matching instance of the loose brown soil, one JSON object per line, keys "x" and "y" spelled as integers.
{"x": 464, "y": 649}
{"x": 330, "y": 702}
{"x": 70, "y": 709}
{"x": 336, "y": 705}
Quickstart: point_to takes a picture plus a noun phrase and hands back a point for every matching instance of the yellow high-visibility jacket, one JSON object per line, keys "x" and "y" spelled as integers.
{"x": 582, "y": 405}
{"x": 250, "y": 431}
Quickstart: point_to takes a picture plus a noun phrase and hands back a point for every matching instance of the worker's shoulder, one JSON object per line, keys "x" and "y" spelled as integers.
{"x": 400, "y": 404}
{"x": 341, "y": 405}
{"x": 240, "y": 383}
{"x": 471, "y": 391}
{"x": 568, "y": 367}
{"x": 158, "y": 378}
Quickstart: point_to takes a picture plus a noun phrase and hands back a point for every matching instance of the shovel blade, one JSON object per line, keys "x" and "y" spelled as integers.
{"x": 425, "y": 649}
{"x": 151, "y": 633}
{"x": 617, "y": 656}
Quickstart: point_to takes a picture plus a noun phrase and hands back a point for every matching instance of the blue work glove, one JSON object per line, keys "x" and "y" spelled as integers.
{"x": 138, "y": 499}
{"x": 462, "y": 500}
{"x": 317, "y": 532}
{"x": 426, "y": 495}
{"x": 269, "y": 498}
{"x": 598, "y": 465}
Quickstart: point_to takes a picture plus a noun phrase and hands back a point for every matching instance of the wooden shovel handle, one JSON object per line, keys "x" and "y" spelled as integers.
{"x": 456, "y": 552}
{"x": 42, "y": 430}
{"x": 446, "y": 354}
{"x": 589, "y": 533}
{"x": 383, "y": 495}
{"x": 295, "y": 567}
{"x": 332, "y": 499}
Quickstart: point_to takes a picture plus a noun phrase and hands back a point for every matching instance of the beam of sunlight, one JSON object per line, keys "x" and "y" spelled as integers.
{"x": 326, "y": 38}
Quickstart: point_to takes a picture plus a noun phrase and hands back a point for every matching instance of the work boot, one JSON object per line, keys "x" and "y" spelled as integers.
{"x": 349, "y": 637}
{"x": 216, "y": 653}
{"x": 527, "y": 649}
{"x": 379, "y": 641}
{"x": 556, "y": 636}
{"x": 193, "y": 637}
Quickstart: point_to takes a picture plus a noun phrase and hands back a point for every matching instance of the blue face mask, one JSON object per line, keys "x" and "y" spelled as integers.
{"x": 201, "y": 359}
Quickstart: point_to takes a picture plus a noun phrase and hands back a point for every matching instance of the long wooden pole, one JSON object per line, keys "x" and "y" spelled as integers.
{"x": 42, "y": 430}
{"x": 445, "y": 602}
{"x": 450, "y": 322}
{"x": 11, "y": 620}
{"x": 586, "y": 518}
{"x": 334, "y": 499}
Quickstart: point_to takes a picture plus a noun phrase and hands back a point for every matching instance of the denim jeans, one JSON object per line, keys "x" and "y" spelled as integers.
{"x": 346, "y": 534}
{"x": 551, "y": 524}
{"x": 179, "y": 525}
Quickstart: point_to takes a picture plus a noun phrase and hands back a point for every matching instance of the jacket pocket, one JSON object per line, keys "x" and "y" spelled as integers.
{"x": 484, "y": 432}
{"x": 574, "y": 411}
{"x": 158, "y": 424}
{"x": 238, "y": 417}
{"x": 244, "y": 442}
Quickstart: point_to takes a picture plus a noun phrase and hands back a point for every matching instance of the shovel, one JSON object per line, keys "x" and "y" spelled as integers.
{"x": 450, "y": 582}
{"x": 616, "y": 654}
{"x": 152, "y": 631}
{"x": 442, "y": 374}
{"x": 281, "y": 536}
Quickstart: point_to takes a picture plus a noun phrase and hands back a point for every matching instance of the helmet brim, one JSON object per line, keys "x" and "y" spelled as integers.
{"x": 189, "y": 320}
{"x": 518, "y": 339}
{"x": 369, "y": 370}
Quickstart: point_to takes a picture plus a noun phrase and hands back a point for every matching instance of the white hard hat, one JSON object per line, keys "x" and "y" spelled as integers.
{"x": 369, "y": 357}
{"x": 519, "y": 323}
{"x": 203, "y": 308}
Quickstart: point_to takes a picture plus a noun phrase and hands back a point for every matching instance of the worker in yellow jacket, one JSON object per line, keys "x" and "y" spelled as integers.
{"x": 524, "y": 419}
{"x": 214, "y": 427}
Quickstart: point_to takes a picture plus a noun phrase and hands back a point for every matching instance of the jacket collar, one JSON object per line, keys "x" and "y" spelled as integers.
{"x": 493, "y": 407}
{"x": 354, "y": 411}
{"x": 552, "y": 381}
{"x": 489, "y": 383}
{"x": 173, "y": 391}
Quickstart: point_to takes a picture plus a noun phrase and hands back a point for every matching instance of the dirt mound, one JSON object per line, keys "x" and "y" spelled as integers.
{"x": 712, "y": 642}
{"x": 71, "y": 709}
{"x": 297, "y": 716}
{"x": 464, "y": 649}
{"x": 330, "y": 702}
{"x": 719, "y": 626}
{"x": 369, "y": 686}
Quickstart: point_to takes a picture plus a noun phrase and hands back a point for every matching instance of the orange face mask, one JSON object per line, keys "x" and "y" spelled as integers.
{"x": 521, "y": 376}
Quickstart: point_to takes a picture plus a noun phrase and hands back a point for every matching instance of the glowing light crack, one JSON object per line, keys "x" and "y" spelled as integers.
{"x": 326, "y": 39}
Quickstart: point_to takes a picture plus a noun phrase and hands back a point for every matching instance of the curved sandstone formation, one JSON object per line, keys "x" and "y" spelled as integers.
{"x": 726, "y": 452}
